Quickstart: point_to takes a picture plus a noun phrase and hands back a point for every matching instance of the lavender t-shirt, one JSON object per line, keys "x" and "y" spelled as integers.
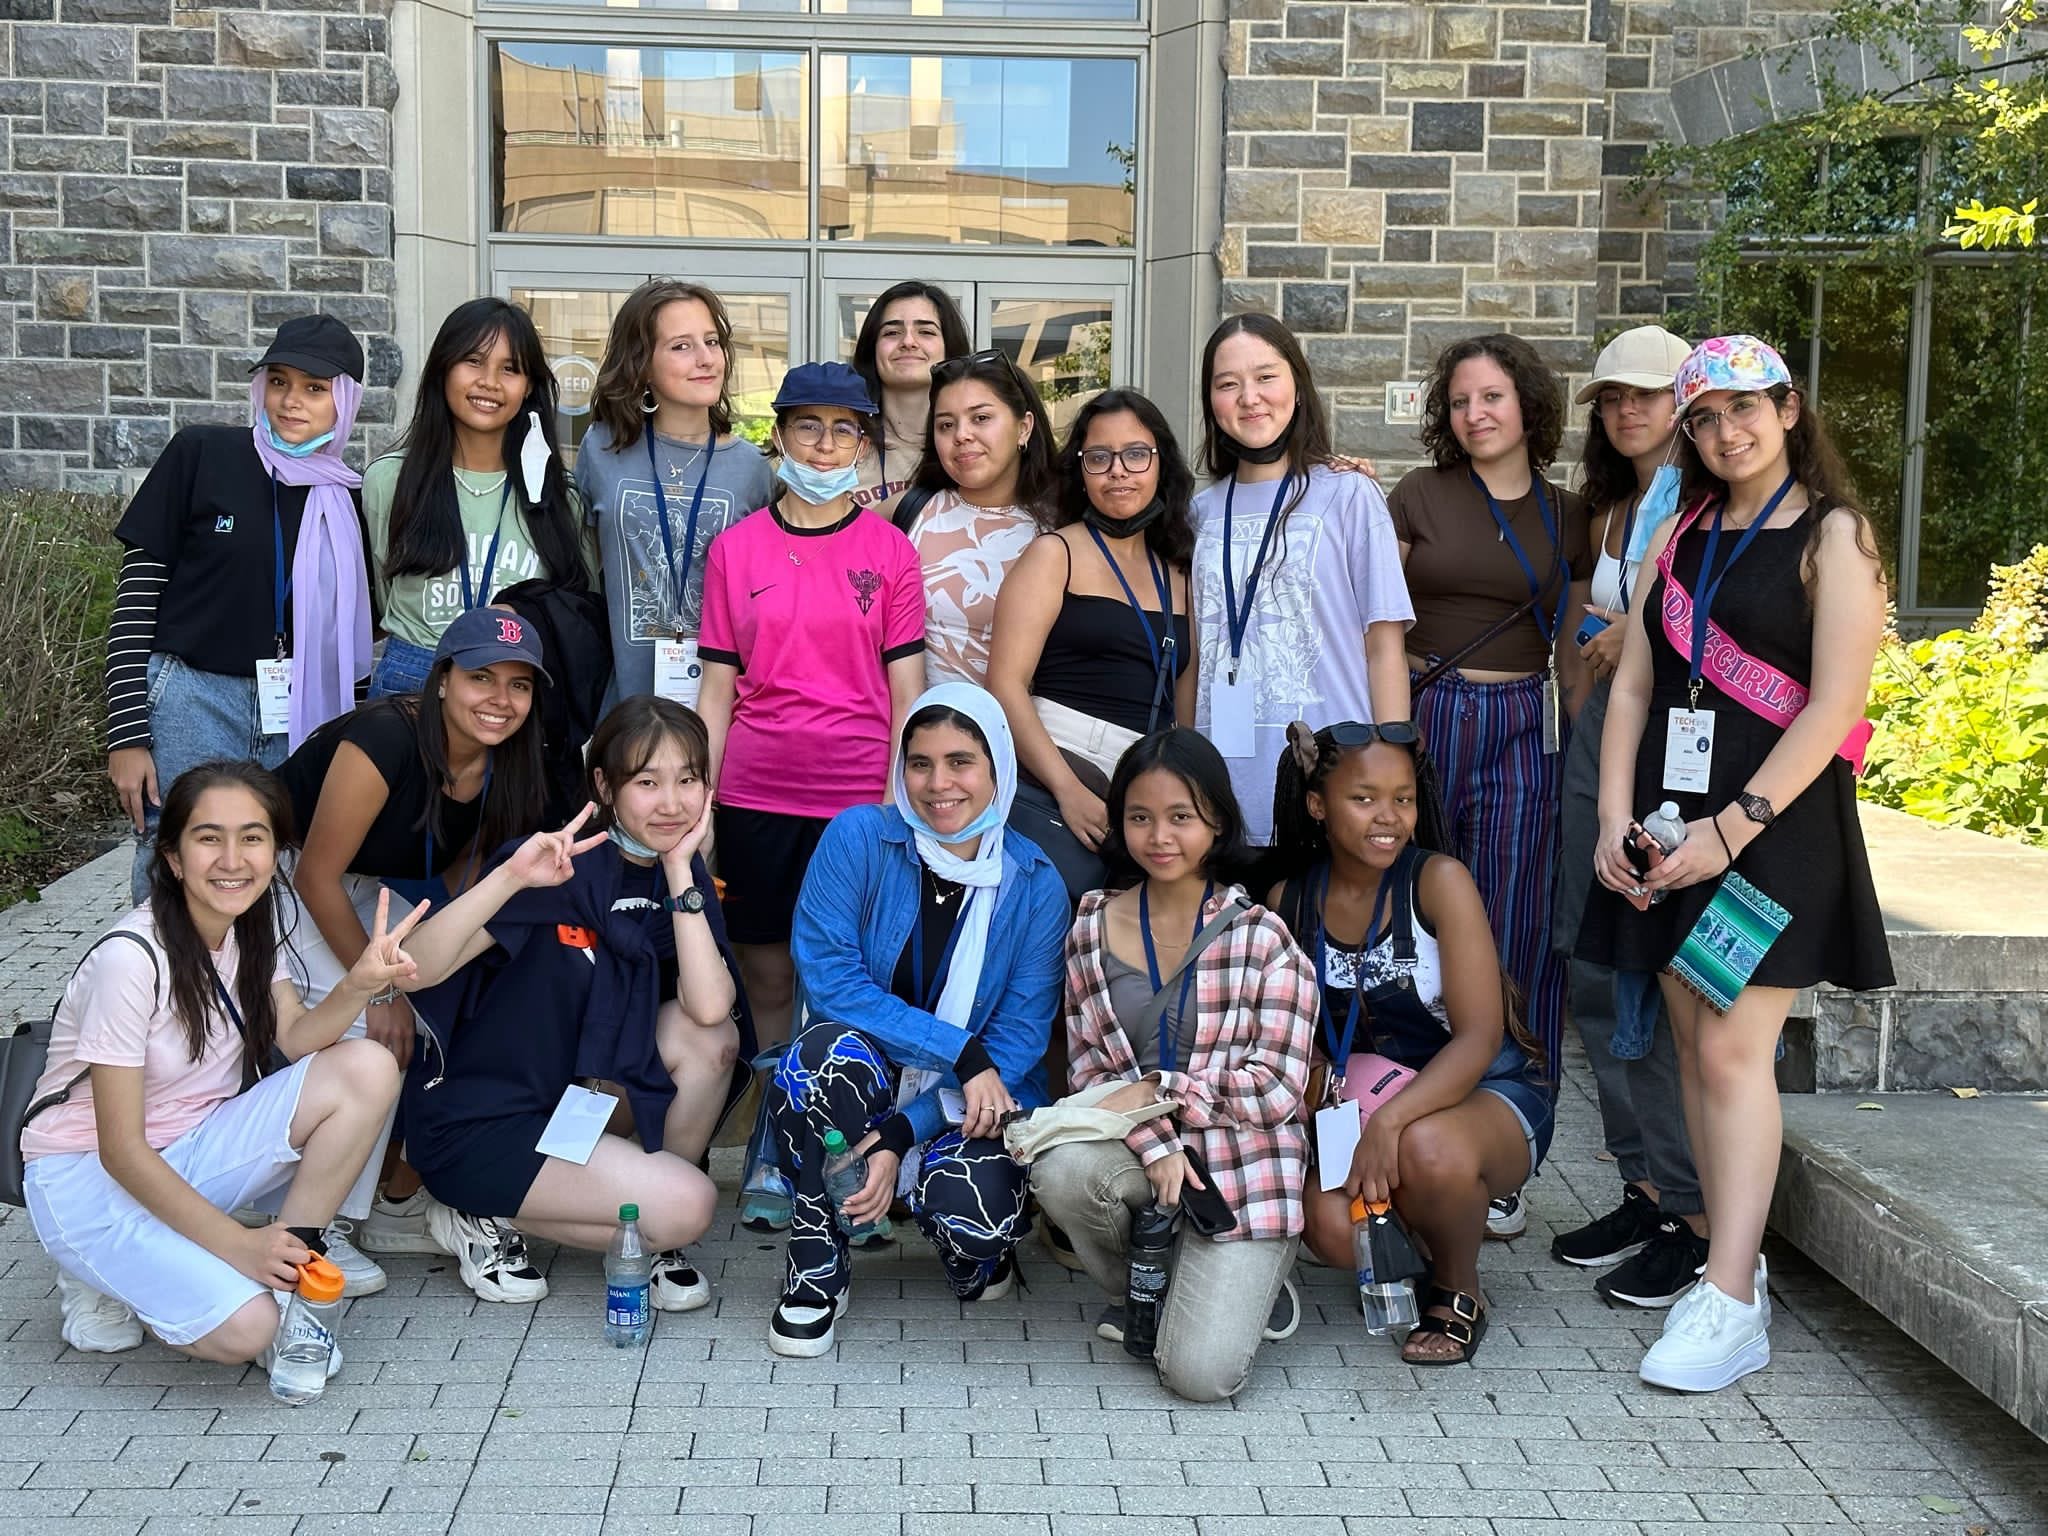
{"x": 1333, "y": 568}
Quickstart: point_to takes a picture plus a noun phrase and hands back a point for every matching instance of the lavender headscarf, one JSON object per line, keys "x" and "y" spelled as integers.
{"x": 330, "y": 581}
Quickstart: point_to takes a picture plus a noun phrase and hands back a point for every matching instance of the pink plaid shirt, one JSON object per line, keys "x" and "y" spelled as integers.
{"x": 1254, "y": 1002}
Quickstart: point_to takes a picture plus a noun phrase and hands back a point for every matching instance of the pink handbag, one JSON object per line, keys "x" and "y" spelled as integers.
{"x": 1371, "y": 1079}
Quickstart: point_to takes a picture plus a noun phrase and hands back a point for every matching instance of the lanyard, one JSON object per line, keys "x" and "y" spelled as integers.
{"x": 681, "y": 580}
{"x": 469, "y": 597}
{"x": 1507, "y": 533}
{"x": 1187, "y": 971}
{"x": 482, "y": 800}
{"x": 938, "y": 981}
{"x": 227, "y": 1001}
{"x": 1338, "y": 1046}
{"x": 1161, "y": 651}
{"x": 1238, "y": 620}
{"x": 1710, "y": 580}
{"x": 280, "y": 576}
{"x": 1628, "y": 531}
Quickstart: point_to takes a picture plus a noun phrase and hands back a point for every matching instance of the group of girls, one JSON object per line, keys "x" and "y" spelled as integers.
{"x": 943, "y": 703}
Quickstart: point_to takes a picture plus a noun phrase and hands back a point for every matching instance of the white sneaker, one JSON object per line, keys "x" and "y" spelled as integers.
{"x": 1506, "y": 1217}
{"x": 1760, "y": 1282}
{"x": 804, "y": 1333}
{"x": 94, "y": 1322}
{"x": 399, "y": 1226}
{"x": 360, "y": 1274}
{"x": 675, "y": 1285}
{"x": 1714, "y": 1342}
{"x": 490, "y": 1253}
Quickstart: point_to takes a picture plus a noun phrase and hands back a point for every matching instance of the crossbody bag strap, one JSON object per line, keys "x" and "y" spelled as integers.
{"x": 1148, "y": 1016}
{"x": 1507, "y": 622}
{"x": 156, "y": 981}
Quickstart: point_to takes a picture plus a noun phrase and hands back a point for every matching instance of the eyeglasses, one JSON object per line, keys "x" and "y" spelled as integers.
{"x": 1612, "y": 400}
{"x": 1137, "y": 458}
{"x": 808, "y": 432}
{"x": 952, "y": 367}
{"x": 1742, "y": 411}
{"x": 1347, "y": 734}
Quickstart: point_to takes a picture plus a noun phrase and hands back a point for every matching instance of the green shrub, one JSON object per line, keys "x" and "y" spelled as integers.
{"x": 1962, "y": 718}
{"x": 58, "y": 564}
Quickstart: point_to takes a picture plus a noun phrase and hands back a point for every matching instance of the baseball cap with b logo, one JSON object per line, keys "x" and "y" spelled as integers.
{"x": 486, "y": 635}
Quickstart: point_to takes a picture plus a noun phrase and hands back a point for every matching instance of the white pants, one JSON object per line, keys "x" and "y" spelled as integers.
{"x": 100, "y": 1234}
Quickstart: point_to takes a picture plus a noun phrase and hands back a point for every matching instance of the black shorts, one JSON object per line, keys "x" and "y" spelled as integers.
{"x": 762, "y": 856}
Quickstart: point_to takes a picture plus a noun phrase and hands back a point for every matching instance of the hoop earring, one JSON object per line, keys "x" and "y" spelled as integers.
{"x": 648, "y": 404}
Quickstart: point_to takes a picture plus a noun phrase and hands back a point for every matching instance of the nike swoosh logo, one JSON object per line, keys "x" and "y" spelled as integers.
{"x": 757, "y": 591}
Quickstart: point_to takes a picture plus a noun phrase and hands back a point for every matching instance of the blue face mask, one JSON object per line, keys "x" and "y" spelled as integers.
{"x": 630, "y": 845}
{"x": 818, "y": 486}
{"x": 1659, "y": 502}
{"x": 294, "y": 450}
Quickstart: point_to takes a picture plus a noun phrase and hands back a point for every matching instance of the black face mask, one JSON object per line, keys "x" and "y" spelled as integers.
{"x": 1272, "y": 453}
{"x": 1123, "y": 527}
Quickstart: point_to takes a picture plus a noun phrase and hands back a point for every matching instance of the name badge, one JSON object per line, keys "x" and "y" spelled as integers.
{"x": 678, "y": 675}
{"x": 1337, "y": 1132}
{"x": 1553, "y": 714}
{"x": 1233, "y": 721}
{"x": 274, "y": 695}
{"x": 1689, "y": 750}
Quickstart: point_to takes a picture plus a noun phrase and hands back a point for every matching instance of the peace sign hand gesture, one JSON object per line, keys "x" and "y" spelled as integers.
{"x": 384, "y": 962}
{"x": 548, "y": 858}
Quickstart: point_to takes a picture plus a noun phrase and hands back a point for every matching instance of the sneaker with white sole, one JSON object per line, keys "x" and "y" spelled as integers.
{"x": 1109, "y": 1323}
{"x": 992, "y": 1281}
{"x": 805, "y": 1332}
{"x": 1621, "y": 1234}
{"x": 399, "y": 1226}
{"x": 1712, "y": 1343}
{"x": 95, "y": 1322}
{"x": 1507, "y": 1217}
{"x": 1759, "y": 1279}
{"x": 361, "y": 1275}
{"x": 676, "y": 1285}
{"x": 1286, "y": 1314}
{"x": 1660, "y": 1272}
{"x": 490, "y": 1253}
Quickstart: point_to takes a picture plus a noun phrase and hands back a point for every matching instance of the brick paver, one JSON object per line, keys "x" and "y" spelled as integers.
{"x": 1009, "y": 1419}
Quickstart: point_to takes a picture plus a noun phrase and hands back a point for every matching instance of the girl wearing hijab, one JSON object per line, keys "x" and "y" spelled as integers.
{"x": 929, "y": 943}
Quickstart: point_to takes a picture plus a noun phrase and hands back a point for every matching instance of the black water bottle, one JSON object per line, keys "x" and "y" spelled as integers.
{"x": 1145, "y": 1286}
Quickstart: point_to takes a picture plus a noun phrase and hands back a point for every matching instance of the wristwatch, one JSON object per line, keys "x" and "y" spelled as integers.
{"x": 690, "y": 899}
{"x": 1757, "y": 809}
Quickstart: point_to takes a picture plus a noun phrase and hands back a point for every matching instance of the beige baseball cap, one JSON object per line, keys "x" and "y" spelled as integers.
{"x": 1644, "y": 358}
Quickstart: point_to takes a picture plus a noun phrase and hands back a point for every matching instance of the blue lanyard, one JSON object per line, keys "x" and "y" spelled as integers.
{"x": 1338, "y": 1046}
{"x": 227, "y": 1001}
{"x": 469, "y": 598}
{"x": 1161, "y": 651}
{"x": 679, "y": 579}
{"x": 1238, "y": 620}
{"x": 1710, "y": 580}
{"x": 938, "y": 982}
{"x": 1187, "y": 972}
{"x": 482, "y": 800}
{"x": 1507, "y": 533}
{"x": 280, "y": 576}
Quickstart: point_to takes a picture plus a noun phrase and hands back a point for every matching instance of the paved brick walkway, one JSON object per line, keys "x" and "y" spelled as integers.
{"x": 1012, "y": 1420}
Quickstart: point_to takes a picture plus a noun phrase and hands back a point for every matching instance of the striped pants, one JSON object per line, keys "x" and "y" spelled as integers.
{"x": 1500, "y": 793}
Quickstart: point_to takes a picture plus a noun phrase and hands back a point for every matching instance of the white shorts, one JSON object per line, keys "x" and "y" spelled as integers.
{"x": 100, "y": 1234}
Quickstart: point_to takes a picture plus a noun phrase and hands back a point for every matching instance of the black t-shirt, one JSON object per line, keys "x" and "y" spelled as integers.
{"x": 939, "y": 918}
{"x": 395, "y": 846}
{"x": 205, "y": 512}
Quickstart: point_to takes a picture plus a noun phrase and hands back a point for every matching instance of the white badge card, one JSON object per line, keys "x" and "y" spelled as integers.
{"x": 1233, "y": 727}
{"x": 1689, "y": 750}
{"x": 1553, "y": 718}
{"x": 953, "y": 1105}
{"x": 678, "y": 675}
{"x": 1337, "y": 1132}
{"x": 274, "y": 696}
{"x": 576, "y": 1124}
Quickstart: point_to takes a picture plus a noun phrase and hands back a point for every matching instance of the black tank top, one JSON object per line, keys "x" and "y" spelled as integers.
{"x": 1095, "y": 659}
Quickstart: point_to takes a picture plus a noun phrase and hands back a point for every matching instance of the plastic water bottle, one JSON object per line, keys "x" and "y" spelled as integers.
{"x": 628, "y": 1273}
{"x": 305, "y": 1335}
{"x": 1151, "y": 1263}
{"x": 1669, "y": 831}
{"x": 1387, "y": 1304}
{"x": 846, "y": 1173}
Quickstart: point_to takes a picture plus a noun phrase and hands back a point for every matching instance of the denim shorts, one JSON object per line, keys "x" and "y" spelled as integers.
{"x": 1532, "y": 1107}
{"x": 401, "y": 668}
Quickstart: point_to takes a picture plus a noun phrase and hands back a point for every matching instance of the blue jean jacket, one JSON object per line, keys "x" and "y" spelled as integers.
{"x": 860, "y": 896}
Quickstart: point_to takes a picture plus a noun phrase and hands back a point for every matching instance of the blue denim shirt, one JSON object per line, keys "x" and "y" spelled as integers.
{"x": 860, "y": 896}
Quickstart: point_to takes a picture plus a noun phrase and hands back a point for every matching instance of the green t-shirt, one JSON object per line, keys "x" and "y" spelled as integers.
{"x": 417, "y": 608}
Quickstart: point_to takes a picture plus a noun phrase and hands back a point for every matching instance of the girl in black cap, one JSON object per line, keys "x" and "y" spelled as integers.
{"x": 242, "y": 618}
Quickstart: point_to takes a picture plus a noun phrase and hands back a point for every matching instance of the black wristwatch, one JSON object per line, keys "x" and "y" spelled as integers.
{"x": 690, "y": 899}
{"x": 1757, "y": 809}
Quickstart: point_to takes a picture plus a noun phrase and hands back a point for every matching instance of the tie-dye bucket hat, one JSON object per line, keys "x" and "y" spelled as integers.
{"x": 1728, "y": 362}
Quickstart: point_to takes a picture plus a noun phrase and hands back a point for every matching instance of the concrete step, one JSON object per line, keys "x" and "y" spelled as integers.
{"x": 1934, "y": 1210}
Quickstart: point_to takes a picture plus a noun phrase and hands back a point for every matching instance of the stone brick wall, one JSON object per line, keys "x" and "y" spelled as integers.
{"x": 178, "y": 181}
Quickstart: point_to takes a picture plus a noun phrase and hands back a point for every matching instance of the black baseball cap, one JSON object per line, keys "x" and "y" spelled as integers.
{"x": 484, "y": 635}
{"x": 317, "y": 344}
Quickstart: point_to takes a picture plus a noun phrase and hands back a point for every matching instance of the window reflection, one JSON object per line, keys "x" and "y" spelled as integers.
{"x": 1061, "y": 345}
{"x": 976, "y": 151}
{"x": 1058, "y": 10}
{"x": 698, "y": 143}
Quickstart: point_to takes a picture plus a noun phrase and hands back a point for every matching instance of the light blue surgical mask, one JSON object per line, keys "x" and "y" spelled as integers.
{"x": 1659, "y": 502}
{"x": 629, "y": 844}
{"x": 818, "y": 486}
{"x": 294, "y": 450}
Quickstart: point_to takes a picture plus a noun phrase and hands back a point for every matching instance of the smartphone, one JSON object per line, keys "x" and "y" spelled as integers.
{"x": 1205, "y": 1208}
{"x": 1593, "y": 625}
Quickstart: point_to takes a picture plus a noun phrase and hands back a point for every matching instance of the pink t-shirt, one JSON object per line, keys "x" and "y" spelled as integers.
{"x": 116, "y": 1012}
{"x": 811, "y": 618}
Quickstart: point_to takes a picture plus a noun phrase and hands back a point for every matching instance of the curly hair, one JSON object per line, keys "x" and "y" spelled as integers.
{"x": 622, "y": 377}
{"x": 1537, "y": 387}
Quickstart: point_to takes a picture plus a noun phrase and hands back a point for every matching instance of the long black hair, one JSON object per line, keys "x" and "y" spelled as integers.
{"x": 1037, "y": 479}
{"x": 952, "y": 330}
{"x": 1607, "y": 476}
{"x": 256, "y": 930}
{"x": 426, "y": 537}
{"x": 1189, "y": 756}
{"x": 1171, "y": 535}
{"x": 518, "y": 790}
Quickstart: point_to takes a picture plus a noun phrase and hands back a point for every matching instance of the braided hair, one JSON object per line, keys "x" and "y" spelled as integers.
{"x": 1306, "y": 764}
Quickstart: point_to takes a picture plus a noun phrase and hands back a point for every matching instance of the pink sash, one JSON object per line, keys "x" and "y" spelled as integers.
{"x": 1756, "y": 685}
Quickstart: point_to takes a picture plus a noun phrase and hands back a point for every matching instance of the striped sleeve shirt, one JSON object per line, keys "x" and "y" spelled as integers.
{"x": 130, "y": 637}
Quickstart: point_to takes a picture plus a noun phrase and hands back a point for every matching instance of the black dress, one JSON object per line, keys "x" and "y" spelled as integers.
{"x": 1811, "y": 859}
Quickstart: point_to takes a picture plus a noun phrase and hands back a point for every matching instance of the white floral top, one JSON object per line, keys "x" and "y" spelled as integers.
{"x": 966, "y": 551}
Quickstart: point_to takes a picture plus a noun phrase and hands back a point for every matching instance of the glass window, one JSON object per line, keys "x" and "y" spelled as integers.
{"x": 977, "y": 151}
{"x": 1061, "y": 345}
{"x": 664, "y": 142}
{"x": 980, "y": 10}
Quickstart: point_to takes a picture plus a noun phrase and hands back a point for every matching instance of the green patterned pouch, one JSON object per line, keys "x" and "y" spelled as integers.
{"x": 1729, "y": 942}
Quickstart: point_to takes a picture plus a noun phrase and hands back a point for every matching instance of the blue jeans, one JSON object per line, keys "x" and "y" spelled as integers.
{"x": 402, "y": 668}
{"x": 196, "y": 717}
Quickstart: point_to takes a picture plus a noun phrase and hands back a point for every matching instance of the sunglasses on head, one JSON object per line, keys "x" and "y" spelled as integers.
{"x": 1347, "y": 734}
{"x": 952, "y": 367}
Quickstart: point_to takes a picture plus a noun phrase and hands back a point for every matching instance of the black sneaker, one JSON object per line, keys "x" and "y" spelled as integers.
{"x": 992, "y": 1282}
{"x": 1506, "y": 1217}
{"x": 1662, "y": 1272}
{"x": 1622, "y": 1233}
{"x": 1110, "y": 1325}
{"x": 1286, "y": 1314}
{"x": 802, "y": 1331}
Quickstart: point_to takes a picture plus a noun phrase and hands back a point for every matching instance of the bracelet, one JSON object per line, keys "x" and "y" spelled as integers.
{"x": 1724, "y": 840}
{"x": 388, "y": 995}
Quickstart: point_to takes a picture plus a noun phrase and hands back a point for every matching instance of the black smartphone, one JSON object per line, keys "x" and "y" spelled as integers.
{"x": 1206, "y": 1210}
{"x": 1631, "y": 845}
